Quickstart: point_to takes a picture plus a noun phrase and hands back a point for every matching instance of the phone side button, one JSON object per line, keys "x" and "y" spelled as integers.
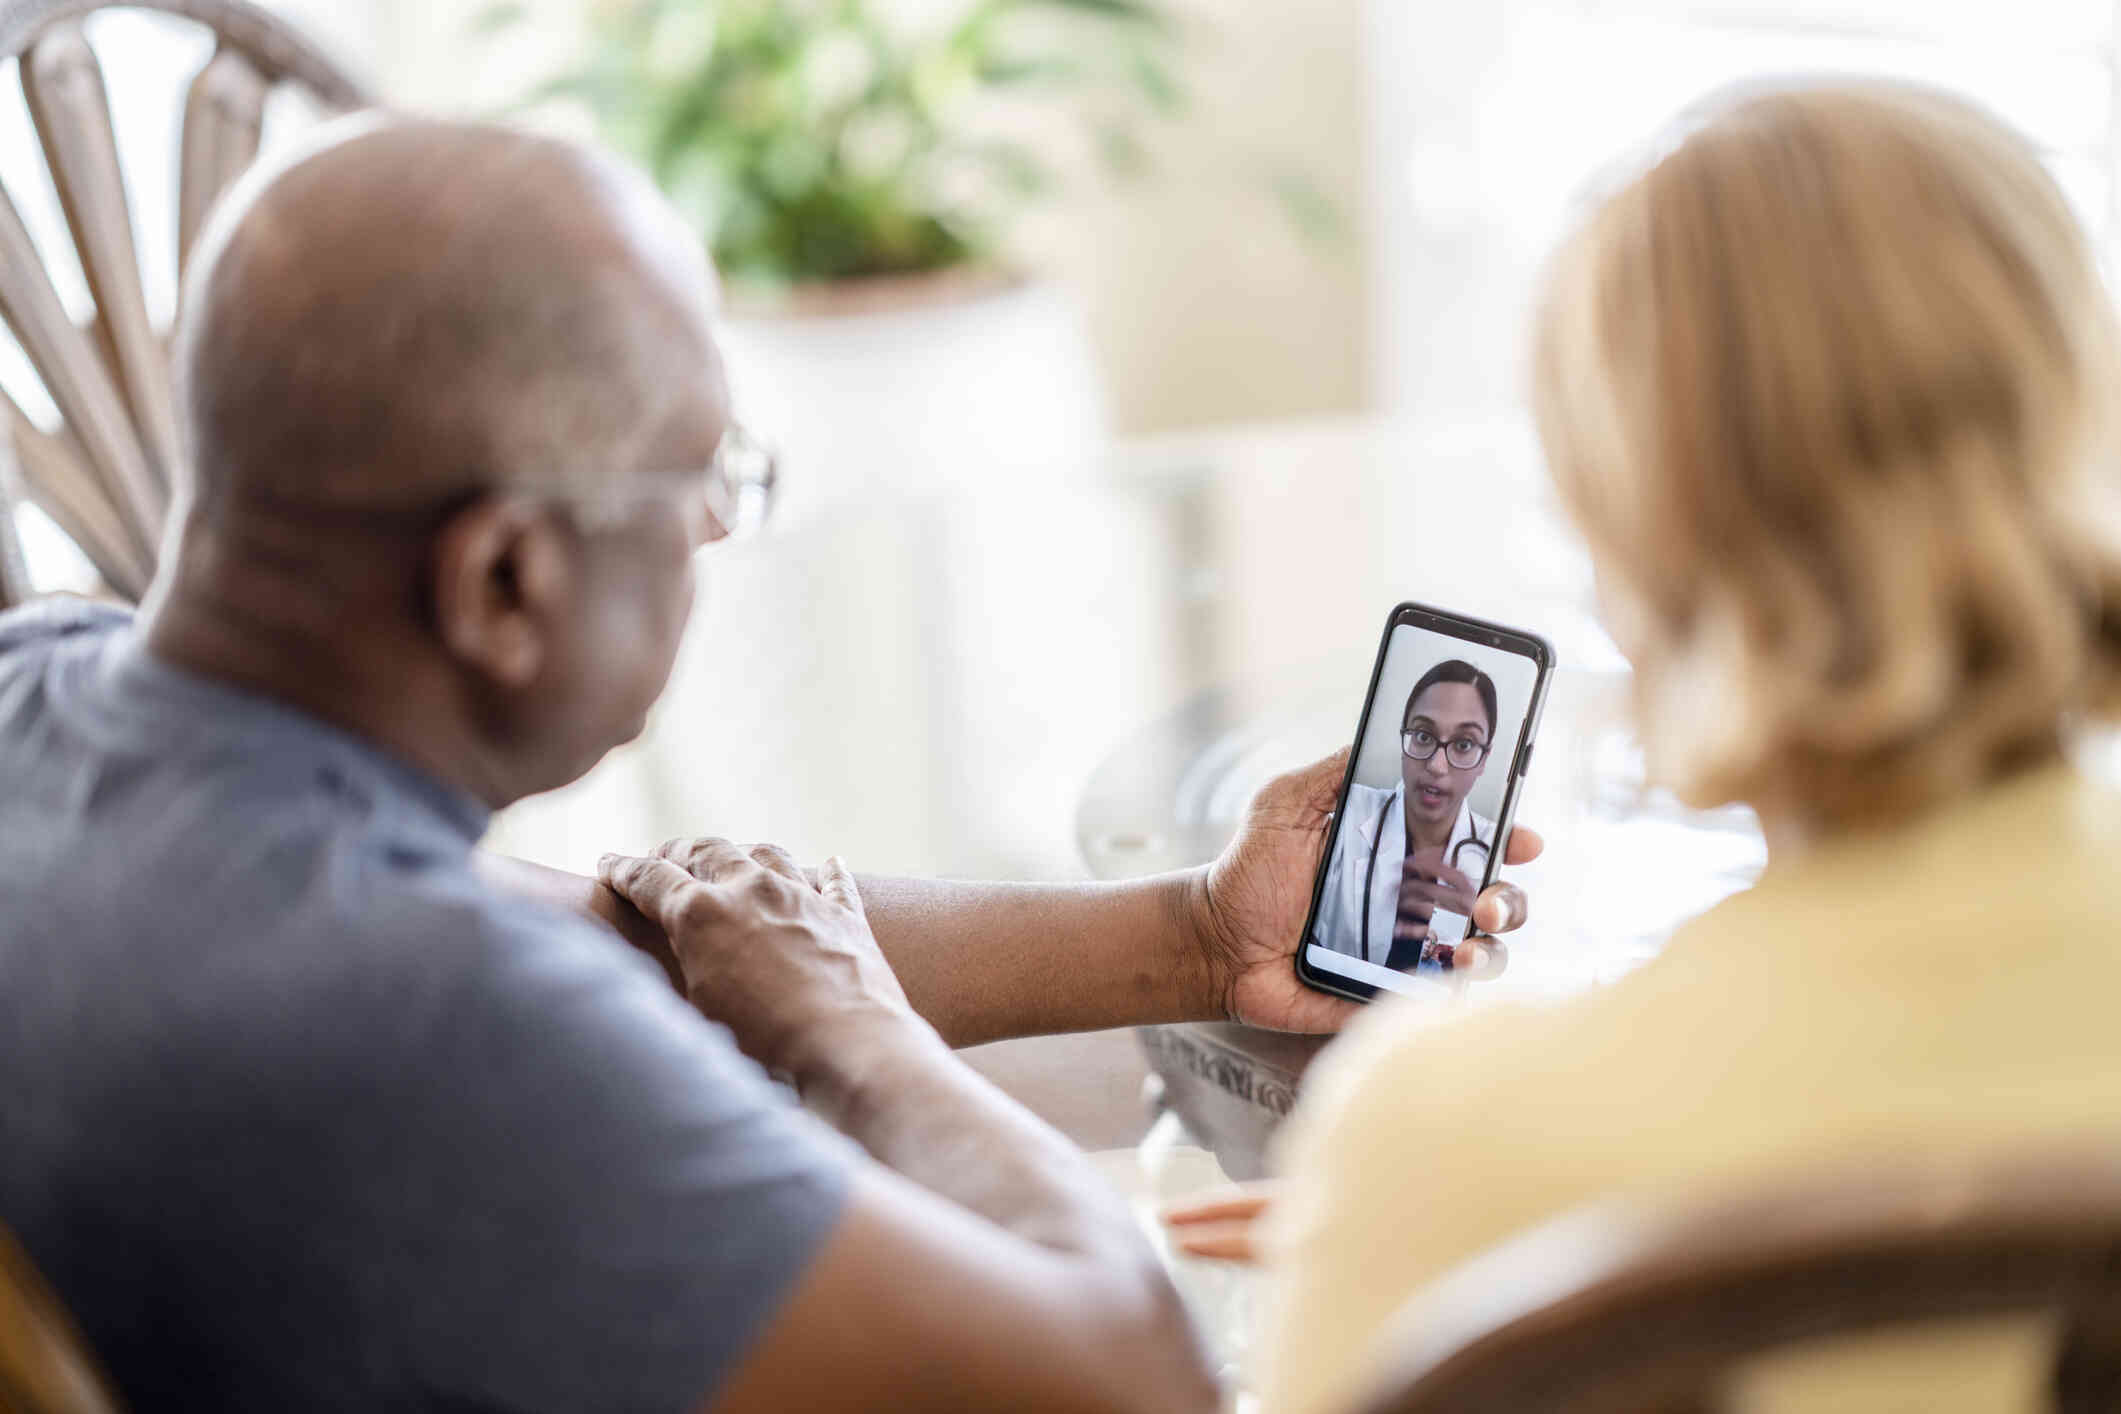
{"x": 1524, "y": 757}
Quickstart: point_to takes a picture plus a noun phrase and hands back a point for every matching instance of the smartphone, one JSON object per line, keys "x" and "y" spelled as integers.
{"x": 1441, "y": 749}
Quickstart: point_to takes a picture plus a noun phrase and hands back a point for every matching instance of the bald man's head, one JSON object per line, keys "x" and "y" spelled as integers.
{"x": 414, "y": 308}
{"x": 412, "y": 360}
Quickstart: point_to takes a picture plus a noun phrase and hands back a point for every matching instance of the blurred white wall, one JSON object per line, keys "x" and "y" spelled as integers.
{"x": 1205, "y": 304}
{"x": 1489, "y": 120}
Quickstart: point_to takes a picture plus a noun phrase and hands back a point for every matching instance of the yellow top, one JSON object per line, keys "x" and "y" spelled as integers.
{"x": 1949, "y": 984}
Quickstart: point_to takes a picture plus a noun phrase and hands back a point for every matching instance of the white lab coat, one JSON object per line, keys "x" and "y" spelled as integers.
{"x": 1376, "y": 819}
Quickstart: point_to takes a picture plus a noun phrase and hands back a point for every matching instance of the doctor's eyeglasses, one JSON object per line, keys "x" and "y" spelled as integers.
{"x": 1463, "y": 752}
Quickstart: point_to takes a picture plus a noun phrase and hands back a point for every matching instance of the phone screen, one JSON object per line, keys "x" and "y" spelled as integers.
{"x": 1442, "y": 744}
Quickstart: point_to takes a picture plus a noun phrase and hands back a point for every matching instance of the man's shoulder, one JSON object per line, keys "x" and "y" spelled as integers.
{"x": 58, "y": 617}
{"x": 433, "y": 1006}
{"x": 444, "y": 953}
{"x": 429, "y": 921}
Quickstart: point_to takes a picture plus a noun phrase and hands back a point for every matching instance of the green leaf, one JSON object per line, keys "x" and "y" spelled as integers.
{"x": 971, "y": 33}
{"x": 1122, "y": 150}
{"x": 1138, "y": 12}
{"x": 1016, "y": 168}
{"x": 1010, "y": 73}
{"x": 597, "y": 90}
{"x": 794, "y": 163}
{"x": 494, "y": 18}
{"x": 1315, "y": 215}
{"x": 1157, "y": 84}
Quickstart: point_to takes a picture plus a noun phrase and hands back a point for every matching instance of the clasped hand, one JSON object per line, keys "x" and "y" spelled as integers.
{"x": 765, "y": 952}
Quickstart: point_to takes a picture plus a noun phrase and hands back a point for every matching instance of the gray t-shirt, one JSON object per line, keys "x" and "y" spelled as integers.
{"x": 295, "y": 1113}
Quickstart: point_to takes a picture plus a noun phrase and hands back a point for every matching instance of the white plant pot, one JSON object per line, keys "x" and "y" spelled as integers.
{"x": 917, "y": 385}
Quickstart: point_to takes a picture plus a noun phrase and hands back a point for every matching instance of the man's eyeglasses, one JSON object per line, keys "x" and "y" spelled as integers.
{"x": 741, "y": 483}
{"x": 1463, "y": 752}
{"x": 738, "y": 485}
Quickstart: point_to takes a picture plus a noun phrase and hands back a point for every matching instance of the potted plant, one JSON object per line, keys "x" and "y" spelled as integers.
{"x": 855, "y": 174}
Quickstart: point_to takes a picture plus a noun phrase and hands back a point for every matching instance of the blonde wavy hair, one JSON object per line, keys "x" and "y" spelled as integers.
{"x": 1829, "y": 388}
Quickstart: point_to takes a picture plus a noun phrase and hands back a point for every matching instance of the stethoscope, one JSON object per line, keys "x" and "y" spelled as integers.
{"x": 1455, "y": 861}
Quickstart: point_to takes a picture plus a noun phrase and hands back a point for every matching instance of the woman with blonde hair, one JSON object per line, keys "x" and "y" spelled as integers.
{"x": 1829, "y": 390}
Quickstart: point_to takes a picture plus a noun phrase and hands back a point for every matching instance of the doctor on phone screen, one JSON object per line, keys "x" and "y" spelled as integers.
{"x": 1408, "y": 860}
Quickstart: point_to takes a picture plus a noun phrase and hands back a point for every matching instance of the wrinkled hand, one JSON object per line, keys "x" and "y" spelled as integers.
{"x": 763, "y": 952}
{"x": 1249, "y": 909}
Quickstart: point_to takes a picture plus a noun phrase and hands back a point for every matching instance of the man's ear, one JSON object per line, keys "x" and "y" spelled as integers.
{"x": 503, "y": 572}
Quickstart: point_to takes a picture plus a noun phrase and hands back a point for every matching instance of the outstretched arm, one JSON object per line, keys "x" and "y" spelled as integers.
{"x": 983, "y": 962}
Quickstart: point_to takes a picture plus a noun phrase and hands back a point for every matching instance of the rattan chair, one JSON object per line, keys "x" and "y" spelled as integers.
{"x": 1645, "y": 1309}
{"x": 44, "y": 1366}
{"x": 103, "y": 475}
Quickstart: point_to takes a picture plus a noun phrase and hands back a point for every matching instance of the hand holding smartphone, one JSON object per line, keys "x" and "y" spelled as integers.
{"x": 1441, "y": 748}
